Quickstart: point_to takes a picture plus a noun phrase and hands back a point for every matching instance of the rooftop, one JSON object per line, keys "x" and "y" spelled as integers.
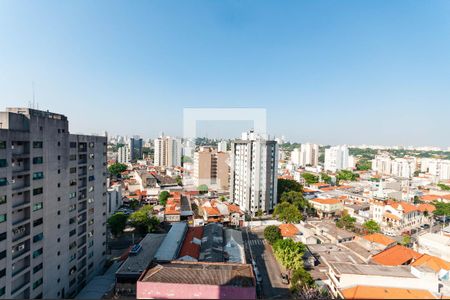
{"x": 377, "y": 292}
{"x": 396, "y": 256}
{"x": 212, "y": 243}
{"x": 379, "y": 239}
{"x": 373, "y": 270}
{"x": 288, "y": 230}
{"x": 223, "y": 274}
{"x": 326, "y": 201}
{"x": 172, "y": 242}
{"x": 190, "y": 247}
{"x": 431, "y": 262}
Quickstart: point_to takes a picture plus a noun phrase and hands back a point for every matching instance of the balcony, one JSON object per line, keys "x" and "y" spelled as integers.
{"x": 20, "y": 266}
{"x": 20, "y": 166}
{"x": 20, "y": 231}
{"x": 20, "y": 182}
{"x": 19, "y": 148}
{"x": 20, "y": 216}
{"x": 20, "y": 283}
{"x": 20, "y": 249}
{"x": 20, "y": 199}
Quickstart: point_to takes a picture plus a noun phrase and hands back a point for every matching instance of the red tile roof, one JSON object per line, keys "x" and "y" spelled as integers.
{"x": 326, "y": 201}
{"x": 380, "y": 292}
{"x": 407, "y": 207}
{"x": 379, "y": 239}
{"x": 396, "y": 256}
{"x": 426, "y": 207}
{"x": 288, "y": 230}
{"x": 435, "y": 263}
{"x": 430, "y": 198}
{"x": 189, "y": 248}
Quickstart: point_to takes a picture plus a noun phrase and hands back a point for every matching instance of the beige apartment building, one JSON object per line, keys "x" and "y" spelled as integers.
{"x": 53, "y": 202}
{"x": 211, "y": 167}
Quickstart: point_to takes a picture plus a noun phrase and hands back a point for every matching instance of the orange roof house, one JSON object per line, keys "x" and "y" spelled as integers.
{"x": 432, "y": 262}
{"x": 402, "y": 205}
{"x": 326, "y": 201}
{"x": 430, "y": 198}
{"x": 288, "y": 230}
{"x": 396, "y": 256}
{"x": 192, "y": 243}
{"x": 423, "y": 207}
{"x": 379, "y": 239}
{"x": 378, "y": 292}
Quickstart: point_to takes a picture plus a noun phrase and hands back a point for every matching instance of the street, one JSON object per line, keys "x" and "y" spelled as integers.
{"x": 257, "y": 248}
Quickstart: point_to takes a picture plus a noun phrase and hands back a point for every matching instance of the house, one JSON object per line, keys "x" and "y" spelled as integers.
{"x": 190, "y": 249}
{"x": 381, "y": 292}
{"x": 172, "y": 211}
{"x": 327, "y": 207}
{"x": 288, "y": 231}
{"x": 435, "y": 244}
{"x": 396, "y": 256}
{"x": 197, "y": 280}
{"x": 379, "y": 241}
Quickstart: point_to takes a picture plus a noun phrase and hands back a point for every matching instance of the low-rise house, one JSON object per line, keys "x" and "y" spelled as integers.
{"x": 382, "y": 292}
{"x": 435, "y": 244}
{"x": 289, "y": 231}
{"x": 378, "y": 241}
{"x": 328, "y": 232}
{"x": 327, "y": 207}
{"x": 196, "y": 280}
{"x": 190, "y": 250}
{"x": 396, "y": 256}
{"x": 172, "y": 211}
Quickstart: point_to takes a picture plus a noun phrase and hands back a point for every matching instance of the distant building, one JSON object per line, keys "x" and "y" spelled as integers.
{"x": 123, "y": 154}
{"x": 400, "y": 167}
{"x": 114, "y": 199}
{"x": 307, "y": 155}
{"x": 254, "y": 165}
{"x": 167, "y": 152}
{"x": 211, "y": 168}
{"x": 222, "y": 146}
{"x": 337, "y": 158}
{"x": 135, "y": 148}
{"x": 327, "y": 207}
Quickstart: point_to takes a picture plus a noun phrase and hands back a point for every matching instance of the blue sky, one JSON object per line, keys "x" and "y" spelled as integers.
{"x": 375, "y": 72}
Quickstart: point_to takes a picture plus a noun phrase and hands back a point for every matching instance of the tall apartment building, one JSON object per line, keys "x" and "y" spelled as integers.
{"x": 307, "y": 155}
{"x": 167, "y": 152}
{"x": 123, "y": 154}
{"x": 135, "y": 148}
{"x": 401, "y": 167}
{"x": 53, "y": 205}
{"x": 222, "y": 146}
{"x": 337, "y": 158}
{"x": 254, "y": 164}
{"x": 382, "y": 164}
{"x": 437, "y": 167}
{"x": 211, "y": 168}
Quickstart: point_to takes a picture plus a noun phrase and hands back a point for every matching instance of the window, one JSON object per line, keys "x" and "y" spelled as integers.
{"x": 3, "y": 254}
{"x": 73, "y": 157}
{"x": 72, "y": 257}
{"x": 38, "y": 222}
{"x": 2, "y": 144}
{"x": 3, "y": 181}
{"x": 91, "y": 156}
{"x": 72, "y": 207}
{"x": 37, "y": 283}
{"x": 90, "y": 200}
{"x": 3, "y": 236}
{"x": 91, "y": 243}
{"x": 72, "y": 195}
{"x": 3, "y": 199}
{"x": 37, "y": 253}
{"x": 37, "y": 206}
{"x": 91, "y": 189}
{"x": 38, "y": 160}
{"x": 3, "y": 163}
{"x": 59, "y": 144}
{"x": 73, "y": 170}
{"x": 38, "y": 191}
{"x": 59, "y": 157}
{"x": 72, "y": 245}
{"x": 91, "y": 178}
{"x": 72, "y": 232}
{"x": 2, "y": 273}
{"x": 37, "y": 145}
{"x": 38, "y": 237}
{"x": 37, "y": 268}
{"x": 38, "y": 175}
{"x": 73, "y": 144}
{"x": 72, "y": 220}
{"x": 2, "y": 291}
{"x": 2, "y": 218}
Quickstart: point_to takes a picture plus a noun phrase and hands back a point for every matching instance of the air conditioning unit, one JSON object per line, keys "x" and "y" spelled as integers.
{"x": 21, "y": 247}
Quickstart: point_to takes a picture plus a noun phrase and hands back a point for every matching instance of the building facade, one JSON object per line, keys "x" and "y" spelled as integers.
{"x": 336, "y": 158}
{"x": 123, "y": 154}
{"x": 53, "y": 211}
{"x": 167, "y": 152}
{"x": 307, "y": 155}
{"x": 254, "y": 163}
{"x": 211, "y": 168}
{"x": 135, "y": 148}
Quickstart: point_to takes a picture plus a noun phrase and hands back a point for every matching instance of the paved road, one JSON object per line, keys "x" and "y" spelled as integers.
{"x": 271, "y": 286}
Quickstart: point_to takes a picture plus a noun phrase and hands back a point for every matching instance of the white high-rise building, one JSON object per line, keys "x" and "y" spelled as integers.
{"x": 295, "y": 157}
{"x": 403, "y": 167}
{"x": 382, "y": 164}
{"x": 222, "y": 146}
{"x": 307, "y": 155}
{"x": 123, "y": 154}
{"x": 53, "y": 206}
{"x": 337, "y": 158}
{"x": 436, "y": 167}
{"x": 254, "y": 163}
{"x": 167, "y": 152}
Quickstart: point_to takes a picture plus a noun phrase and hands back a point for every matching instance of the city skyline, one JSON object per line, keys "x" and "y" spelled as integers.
{"x": 327, "y": 72}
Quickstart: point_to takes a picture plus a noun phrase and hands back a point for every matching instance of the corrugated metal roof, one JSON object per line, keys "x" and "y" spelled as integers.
{"x": 171, "y": 245}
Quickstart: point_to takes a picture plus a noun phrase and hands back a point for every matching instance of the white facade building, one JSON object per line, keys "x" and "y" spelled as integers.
{"x": 337, "y": 158}
{"x": 306, "y": 155}
{"x": 167, "y": 152}
{"x": 253, "y": 183}
{"x": 123, "y": 154}
{"x": 436, "y": 167}
{"x": 222, "y": 146}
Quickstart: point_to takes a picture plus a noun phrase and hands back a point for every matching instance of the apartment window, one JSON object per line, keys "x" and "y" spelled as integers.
{"x": 91, "y": 243}
{"x": 59, "y": 184}
{"x": 91, "y": 189}
{"x": 2, "y": 218}
{"x": 91, "y": 167}
{"x": 59, "y": 144}
{"x": 38, "y": 160}
{"x": 72, "y": 195}
{"x": 72, "y": 232}
{"x": 72, "y": 257}
{"x": 37, "y": 206}
{"x": 73, "y": 182}
{"x": 59, "y": 171}
{"x": 2, "y": 144}
{"x": 37, "y": 253}
{"x": 37, "y": 283}
{"x": 3, "y": 163}
{"x": 38, "y": 237}
{"x": 3, "y": 199}
{"x": 91, "y": 155}
{"x": 72, "y": 220}
{"x": 59, "y": 157}
{"x": 73, "y": 144}
{"x": 91, "y": 233}
{"x": 72, "y": 245}
{"x": 37, "y": 268}
{"x": 2, "y": 291}
{"x": 91, "y": 178}
{"x": 2, "y": 236}
{"x": 2, "y": 273}
{"x": 38, "y": 191}
{"x": 73, "y": 170}
{"x": 72, "y": 207}
{"x": 91, "y": 254}
{"x": 38, "y": 175}
{"x": 3, "y": 254}
{"x": 37, "y": 145}
{"x": 38, "y": 222}
{"x": 72, "y": 157}
{"x": 3, "y": 181}
{"x": 90, "y": 200}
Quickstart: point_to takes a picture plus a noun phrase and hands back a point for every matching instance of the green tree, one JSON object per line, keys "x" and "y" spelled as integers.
{"x": 326, "y": 178}
{"x": 162, "y": 198}
{"x": 222, "y": 199}
{"x": 346, "y": 222}
{"x": 259, "y": 213}
{"x": 179, "y": 180}
{"x": 442, "y": 209}
{"x": 444, "y": 187}
{"x": 346, "y": 175}
{"x": 186, "y": 159}
{"x": 301, "y": 278}
{"x": 406, "y": 240}
{"x": 289, "y": 253}
{"x": 288, "y": 185}
{"x": 310, "y": 178}
{"x": 295, "y": 198}
{"x": 117, "y": 168}
{"x": 417, "y": 200}
{"x": 371, "y": 226}
{"x": 203, "y": 189}
{"x": 363, "y": 165}
{"x": 143, "y": 220}
{"x": 287, "y": 212}
{"x": 272, "y": 234}
{"x": 117, "y": 222}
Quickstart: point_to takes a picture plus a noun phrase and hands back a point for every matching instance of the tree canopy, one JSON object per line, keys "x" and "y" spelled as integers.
{"x": 289, "y": 253}
{"x": 371, "y": 226}
{"x": 363, "y": 165}
{"x": 346, "y": 175}
{"x": 346, "y": 222}
{"x": 272, "y": 234}
{"x": 310, "y": 178}
{"x": 162, "y": 198}
{"x": 288, "y": 185}
{"x": 442, "y": 209}
{"x": 117, "y": 222}
{"x": 295, "y": 198}
{"x": 287, "y": 212}
{"x": 143, "y": 221}
{"x": 117, "y": 168}
{"x": 444, "y": 187}
{"x": 203, "y": 189}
